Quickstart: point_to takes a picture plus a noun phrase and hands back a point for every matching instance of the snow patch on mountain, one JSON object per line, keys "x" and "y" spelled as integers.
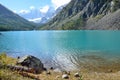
{"x": 41, "y": 15}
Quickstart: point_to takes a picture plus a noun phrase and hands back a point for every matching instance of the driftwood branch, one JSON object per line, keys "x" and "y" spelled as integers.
{"x": 30, "y": 75}
{"x": 24, "y": 71}
{"x": 21, "y": 68}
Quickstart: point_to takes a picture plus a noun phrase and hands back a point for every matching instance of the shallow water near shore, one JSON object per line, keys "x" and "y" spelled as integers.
{"x": 67, "y": 50}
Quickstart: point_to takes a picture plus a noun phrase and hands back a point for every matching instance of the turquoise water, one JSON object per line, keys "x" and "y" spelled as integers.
{"x": 62, "y": 48}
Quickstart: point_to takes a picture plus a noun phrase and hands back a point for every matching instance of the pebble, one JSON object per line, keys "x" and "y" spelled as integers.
{"x": 76, "y": 75}
{"x": 51, "y": 68}
{"x": 65, "y": 76}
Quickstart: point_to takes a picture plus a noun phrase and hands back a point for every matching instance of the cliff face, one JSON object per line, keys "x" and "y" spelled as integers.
{"x": 110, "y": 21}
{"x": 87, "y": 14}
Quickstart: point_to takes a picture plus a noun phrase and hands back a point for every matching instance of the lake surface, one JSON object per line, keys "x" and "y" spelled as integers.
{"x": 63, "y": 49}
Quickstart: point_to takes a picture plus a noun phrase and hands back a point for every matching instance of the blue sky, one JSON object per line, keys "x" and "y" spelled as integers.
{"x": 22, "y": 5}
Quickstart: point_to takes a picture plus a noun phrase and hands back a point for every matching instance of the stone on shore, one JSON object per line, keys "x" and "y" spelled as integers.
{"x": 65, "y": 76}
{"x": 31, "y": 62}
{"x": 76, "y": 75}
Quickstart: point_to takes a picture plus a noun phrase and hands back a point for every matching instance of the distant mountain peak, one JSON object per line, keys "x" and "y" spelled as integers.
{"x": 38, "y": 16}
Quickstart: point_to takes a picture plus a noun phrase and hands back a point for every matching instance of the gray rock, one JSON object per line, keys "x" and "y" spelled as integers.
{"x": 65, "y": 76}
{"x": 51, "y": 68}
{"x": 31, "y": 62}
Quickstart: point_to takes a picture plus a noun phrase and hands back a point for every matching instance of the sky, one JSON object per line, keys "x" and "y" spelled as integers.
{"x": 23, "y": 6}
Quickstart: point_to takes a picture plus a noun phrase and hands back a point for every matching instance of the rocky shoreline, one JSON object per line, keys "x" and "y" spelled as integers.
{"x": 28, "y": 66}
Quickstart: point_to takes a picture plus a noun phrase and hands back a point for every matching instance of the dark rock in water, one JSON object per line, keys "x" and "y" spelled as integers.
{"x": 18, "y": 57}
{"x": 45, "y": 69}
{"x": 51, "y": 68}
{"x": 0, "y": 33}
{"x": 31, "y": 62}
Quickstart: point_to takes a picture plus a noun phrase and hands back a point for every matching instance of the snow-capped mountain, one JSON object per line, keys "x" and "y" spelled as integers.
{"x": 39, "y": 16}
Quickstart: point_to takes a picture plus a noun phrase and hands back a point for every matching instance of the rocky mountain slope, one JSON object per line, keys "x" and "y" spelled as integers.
{"x": 87, "y": 14}
{"x": 12, "y": 21}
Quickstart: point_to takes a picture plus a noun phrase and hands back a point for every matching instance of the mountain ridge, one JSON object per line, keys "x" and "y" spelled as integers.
{"x": 12, "y": 21}
{"x": 79, "y": 13}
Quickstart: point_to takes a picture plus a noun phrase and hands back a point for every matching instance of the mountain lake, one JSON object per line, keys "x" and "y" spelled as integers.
{"x": 64, "y": 49}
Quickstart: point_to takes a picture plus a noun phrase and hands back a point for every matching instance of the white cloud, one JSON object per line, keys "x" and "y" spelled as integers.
{"x": 32, "y": 7}
{"x": 24, "y": 11}
{"x": 58, "y": 3}
{"x": 44, "y": 9}
{"x": 36, "y": 20}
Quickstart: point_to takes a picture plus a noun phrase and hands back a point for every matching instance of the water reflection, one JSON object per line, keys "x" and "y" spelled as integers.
{"x": 63, "y": 49}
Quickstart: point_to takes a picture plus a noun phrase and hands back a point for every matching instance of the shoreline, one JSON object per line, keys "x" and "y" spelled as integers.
{"x": 98, "y": 64}
{"x": 91, "y": 66}
{"x": 88, "y": 72}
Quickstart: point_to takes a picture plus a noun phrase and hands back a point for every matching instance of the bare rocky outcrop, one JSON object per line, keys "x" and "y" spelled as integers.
{"x": 110, "y": 21}
{"x": 31, "y": 62}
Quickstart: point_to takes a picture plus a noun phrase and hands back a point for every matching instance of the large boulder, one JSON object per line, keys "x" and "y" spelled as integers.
{"x": 31, "y": 62}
